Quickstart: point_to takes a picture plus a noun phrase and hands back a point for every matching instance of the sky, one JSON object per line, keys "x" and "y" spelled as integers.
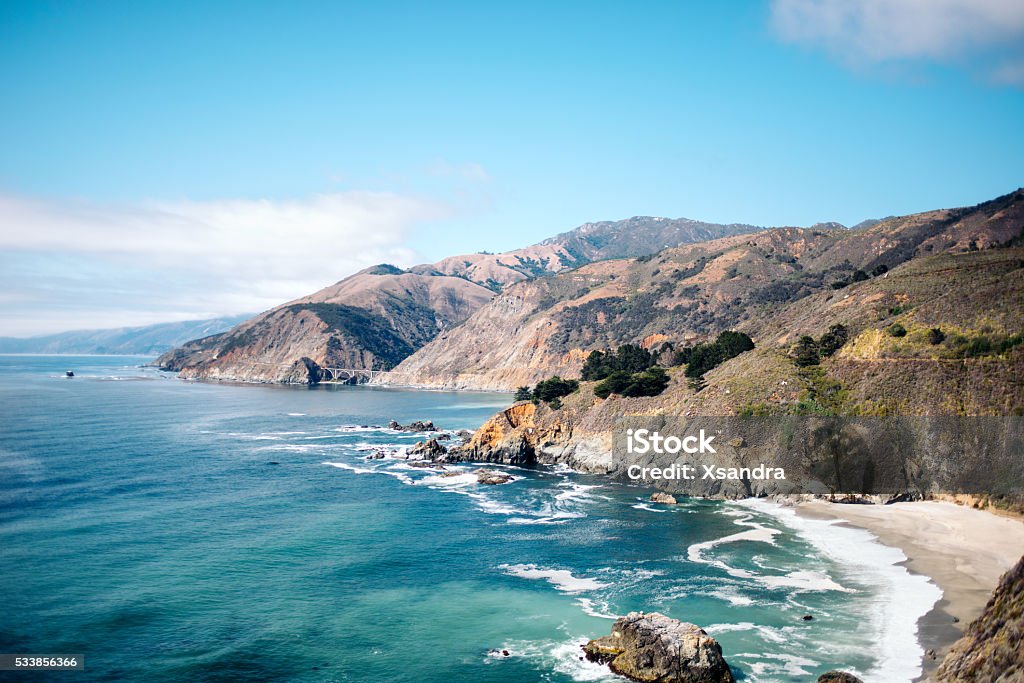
{"x": 171, "y": 161}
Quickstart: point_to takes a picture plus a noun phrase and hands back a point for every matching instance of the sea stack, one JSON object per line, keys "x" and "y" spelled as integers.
{"x": 654, "y": 648}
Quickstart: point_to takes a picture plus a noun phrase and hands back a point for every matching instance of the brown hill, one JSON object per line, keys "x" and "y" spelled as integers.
{"x": 377, "y": 317}
{"x": 547, "y": 326}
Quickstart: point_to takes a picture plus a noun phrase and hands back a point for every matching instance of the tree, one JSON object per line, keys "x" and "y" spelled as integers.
{"x": 880, "y": 269}
{"x": 859, "y": 276}
{"x": 897, "y": 330}
{"x": 936, "y": 336}
{"x": 523, "y": 394}
{"x": 833, "y": 340}
{"x": 805, "y": 352}
{"x": 549, "y": 389}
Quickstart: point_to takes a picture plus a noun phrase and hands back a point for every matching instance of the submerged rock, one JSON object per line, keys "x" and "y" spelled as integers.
{"x": 838, "y": 677}
{"x": 663, "y": 498}
{"x": 492, "y": 477}
{"x": 654, "y": 648}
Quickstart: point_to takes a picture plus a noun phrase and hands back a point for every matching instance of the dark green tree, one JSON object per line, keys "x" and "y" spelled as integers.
{"x": 897, "y": 330}
{"x": 523, "y": 394}
{"x": 805, "y": 352}
{"x": 833, "y": 340}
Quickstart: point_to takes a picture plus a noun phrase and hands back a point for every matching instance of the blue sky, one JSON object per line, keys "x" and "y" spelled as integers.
{"x": 410, "y": 131}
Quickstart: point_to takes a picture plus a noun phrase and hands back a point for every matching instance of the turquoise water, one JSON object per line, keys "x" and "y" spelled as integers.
{"x": 182, "y": 531}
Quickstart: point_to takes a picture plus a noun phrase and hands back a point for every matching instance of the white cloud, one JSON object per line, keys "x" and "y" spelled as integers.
{"x": 73, "y": 264}
{"x": 874, "y": 31}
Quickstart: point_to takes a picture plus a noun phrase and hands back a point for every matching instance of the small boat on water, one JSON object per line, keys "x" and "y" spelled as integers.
{"x": 69, "y": 373}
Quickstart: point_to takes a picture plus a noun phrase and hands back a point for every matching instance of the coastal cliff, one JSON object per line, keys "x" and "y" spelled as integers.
{"x": 990, "y": 649}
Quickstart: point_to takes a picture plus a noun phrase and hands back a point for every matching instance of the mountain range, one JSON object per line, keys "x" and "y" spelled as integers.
{"x": 378, "y": 317}
{"x": 497, "y": 322}
{"x": 146, "y": 340}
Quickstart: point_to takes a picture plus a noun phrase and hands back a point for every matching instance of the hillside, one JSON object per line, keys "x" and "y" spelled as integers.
{"x": 147, "y": 340}
{"x": 688, "y": 293}
{"x": 379, "y": 316}
{"x": 975, "y": 298}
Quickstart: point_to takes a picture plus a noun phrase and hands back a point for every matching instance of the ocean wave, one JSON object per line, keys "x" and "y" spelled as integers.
{"x": 351, "y": 468}
{"x": 643, "y": 506}
{"x": 561, "y": 656}
{"x": 589, "y": 608}
{"x": 903, "y": 597}
{"x": 801, "y": 580}
{"x": 562, "y": 579}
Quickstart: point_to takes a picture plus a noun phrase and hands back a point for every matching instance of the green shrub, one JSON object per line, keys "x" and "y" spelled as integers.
{"x": 628, "y": 358}
{"x": 936, "y": 336}
{"x": 833, "y": 340}
{"x": 897, "y": 330}
{"x": 806, "y": 352}
{"x": 523, "y": 394}
{"x": 650, "y": 382}
{"x": 554, "y": 388}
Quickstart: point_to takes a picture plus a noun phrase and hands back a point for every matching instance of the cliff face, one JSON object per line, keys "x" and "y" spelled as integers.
{"x": 975, "y": 297}
{"x": 990, "y": 649}
{"x": 548, "y": 326}
{"x": 378, "y": 317}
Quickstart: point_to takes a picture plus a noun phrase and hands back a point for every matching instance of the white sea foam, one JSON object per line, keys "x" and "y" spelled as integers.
{"x": 296, "y": 414}
{"x": 642, "y": 506}
{"x": 903, "y": 597}
{"x": 555, "y": 518}
{"x": 564, "y": 657}
{"x": 351, "y": 468}
{"x": 803, "y": 580}
{"x": 789, "y": 665}
{"x": 588, "y": 607}
{"x": 562, "y": 579}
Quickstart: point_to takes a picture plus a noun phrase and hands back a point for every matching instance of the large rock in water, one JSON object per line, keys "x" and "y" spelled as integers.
{"x": 990, "y": 649}
{"x": 654, "y": 648}
{"x": 838, "y": 677}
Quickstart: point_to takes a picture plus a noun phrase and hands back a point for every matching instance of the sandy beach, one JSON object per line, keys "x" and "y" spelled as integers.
{"x": 963, "y": 550}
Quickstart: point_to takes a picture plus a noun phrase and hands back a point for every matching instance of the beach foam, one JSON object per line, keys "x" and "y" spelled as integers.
{"x": 903, "y": 597}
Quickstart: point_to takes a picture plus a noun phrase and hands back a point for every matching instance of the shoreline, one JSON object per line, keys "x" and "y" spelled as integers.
{"x": 962, "y": 550}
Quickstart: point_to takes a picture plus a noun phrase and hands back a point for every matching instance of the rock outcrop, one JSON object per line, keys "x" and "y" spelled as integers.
{"x": 663, "y": 498}
{"x": 492, "y": 478}
{"x": 990, "y": 649}
{"x": 414, "y": 426}
{"x": 429, "y": 449}
{"x": 654, "y": 648}
{"x": 838, "y": 677}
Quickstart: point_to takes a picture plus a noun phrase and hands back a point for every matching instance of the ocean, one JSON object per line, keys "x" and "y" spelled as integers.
{"x": 179, "y": 531}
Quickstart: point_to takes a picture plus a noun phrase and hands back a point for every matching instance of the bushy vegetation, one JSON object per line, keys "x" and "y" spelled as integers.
{"x": 629, "y": 358}
{"x": 523, "y": 394}
{"x": 808, "y": 351}
{"x": 550, "y": 391}
{"x": 977, "y": 346}
{"x": 649, "y": 382}
{"x": 897, "y": 330}
{"x": 703, "y": 358}
{"x": 628, "y": 371}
